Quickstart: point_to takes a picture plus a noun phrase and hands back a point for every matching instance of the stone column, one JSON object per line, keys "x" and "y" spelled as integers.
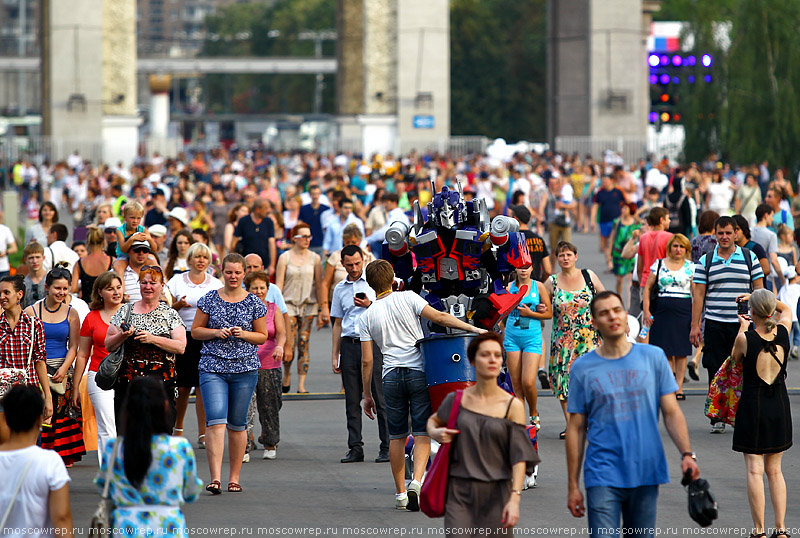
{"x": 120, "y": 121}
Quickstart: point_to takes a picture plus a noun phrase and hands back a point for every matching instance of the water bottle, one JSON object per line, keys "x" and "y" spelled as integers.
{"x": 645, "y": 329}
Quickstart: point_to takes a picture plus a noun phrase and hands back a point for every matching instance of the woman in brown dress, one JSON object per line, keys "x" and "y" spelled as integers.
{"x": 491, "y": 449}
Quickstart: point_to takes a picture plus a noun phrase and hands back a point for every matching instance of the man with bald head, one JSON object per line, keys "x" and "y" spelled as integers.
{"x": 253, "y": 263}
{"x": 257, "y": 235}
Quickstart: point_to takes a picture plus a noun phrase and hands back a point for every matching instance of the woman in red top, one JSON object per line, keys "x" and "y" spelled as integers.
{"x": 107, "y": 297}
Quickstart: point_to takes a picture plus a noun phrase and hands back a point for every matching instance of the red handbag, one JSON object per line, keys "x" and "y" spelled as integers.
{"x": 433, "y": 495}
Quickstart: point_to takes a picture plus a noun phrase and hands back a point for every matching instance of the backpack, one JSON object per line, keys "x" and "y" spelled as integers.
{"x": 676, "y": 222}
{"x": 746, "y": 252}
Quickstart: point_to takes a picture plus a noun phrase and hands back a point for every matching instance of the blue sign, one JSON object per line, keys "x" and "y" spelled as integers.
{"x": 423, "y": 122}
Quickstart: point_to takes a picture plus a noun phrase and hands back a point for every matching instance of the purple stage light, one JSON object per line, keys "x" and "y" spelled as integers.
{"x": 677, "y": 60}
{"x": 691, "y": 60}
{"x": 653, "y": 117}
{"x": 690, "y": 79}
{"x": 707, "y": 78}
{"x": 653, "y": 79}
{"x": 664, "y": 79}
{"x": 706, "y": 60}
{"x": 676, "y": 80}
{"x": 664, "y": 59}
{"x": 653, "y": 60}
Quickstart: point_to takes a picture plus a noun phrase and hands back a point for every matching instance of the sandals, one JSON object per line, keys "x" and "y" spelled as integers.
{"x": 214, "y": 487}
{"x": 680, "y": 396}
{"x": 780, "y": 533}
{"x": 177, "y": 432}
{"x": 233, "y": 487}
{"x": 562, "y": 435}
{"x": 201, "y": 441}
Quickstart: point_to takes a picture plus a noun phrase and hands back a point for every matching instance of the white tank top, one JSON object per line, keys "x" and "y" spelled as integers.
{"x": 131, "y": 280}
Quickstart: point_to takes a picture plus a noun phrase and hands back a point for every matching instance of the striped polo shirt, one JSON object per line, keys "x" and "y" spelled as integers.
{"x": 727, "y": 279}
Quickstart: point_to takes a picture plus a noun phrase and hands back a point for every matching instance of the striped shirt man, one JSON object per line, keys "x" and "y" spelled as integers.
{"x": 725, "y": 281}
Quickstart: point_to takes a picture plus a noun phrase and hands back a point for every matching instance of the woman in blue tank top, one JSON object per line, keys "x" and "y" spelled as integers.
{"x": 61, "y": 331}
{"x": 523, "y": 338}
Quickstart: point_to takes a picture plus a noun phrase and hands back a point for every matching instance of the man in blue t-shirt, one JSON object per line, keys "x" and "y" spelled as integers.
{"x": 615, "y": 394}
{"x": 311, "y": 214}
{"x": 607, "y": 202}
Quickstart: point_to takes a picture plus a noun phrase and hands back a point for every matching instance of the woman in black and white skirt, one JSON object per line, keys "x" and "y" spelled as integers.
{"x": 672, "y": 314}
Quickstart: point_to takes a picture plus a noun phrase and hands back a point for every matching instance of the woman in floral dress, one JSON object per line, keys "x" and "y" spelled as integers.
{"x": 571, "y": 291}
{"x": 153, "y": 473}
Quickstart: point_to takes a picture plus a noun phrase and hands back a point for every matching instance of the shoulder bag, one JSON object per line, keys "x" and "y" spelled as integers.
{"x": 101, "y": 520}
{"x": 654, "y": 289}
{"x": 14, "y": 497}
{"x": 109, "y": 368}
{"x": 433, "y": 495}
{"x": 16, "y": 376}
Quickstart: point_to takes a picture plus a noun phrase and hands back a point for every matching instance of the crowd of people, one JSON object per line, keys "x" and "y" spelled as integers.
{"x": 210, "y": 271}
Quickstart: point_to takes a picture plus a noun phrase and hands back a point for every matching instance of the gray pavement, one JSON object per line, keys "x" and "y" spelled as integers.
{"x": 306, "y": 491}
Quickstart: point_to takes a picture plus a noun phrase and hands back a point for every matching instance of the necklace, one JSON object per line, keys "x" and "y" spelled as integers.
{"x": 52, "y": 311}
{"x": 383, "y": 294}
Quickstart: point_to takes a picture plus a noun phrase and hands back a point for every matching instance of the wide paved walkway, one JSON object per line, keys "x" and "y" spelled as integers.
{"x": 306, "y": 491}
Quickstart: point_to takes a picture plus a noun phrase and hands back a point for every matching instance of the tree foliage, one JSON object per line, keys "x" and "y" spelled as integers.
{"x": 750, "y": 112}
{"x": 498, "y": 68}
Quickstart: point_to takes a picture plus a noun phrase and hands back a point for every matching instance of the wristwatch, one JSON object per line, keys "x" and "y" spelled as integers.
{"x": 690, "y": 454}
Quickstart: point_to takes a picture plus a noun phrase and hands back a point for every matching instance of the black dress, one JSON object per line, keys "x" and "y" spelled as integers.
{"x": 763, "y": 418}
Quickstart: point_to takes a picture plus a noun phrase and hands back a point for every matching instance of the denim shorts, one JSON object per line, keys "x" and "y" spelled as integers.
{"x": 406, "y": 391}
{"x": 226, "y": 398}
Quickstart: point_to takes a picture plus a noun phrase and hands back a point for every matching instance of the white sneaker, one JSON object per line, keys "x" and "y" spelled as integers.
{"x": 401, "y": 501}
{"x": 246, "y": 458}
{"x": 719, "y": 427}
{"x": 413, "y": 495}
{"x": 530, "y": 480}
{"x": 270, "y": 454}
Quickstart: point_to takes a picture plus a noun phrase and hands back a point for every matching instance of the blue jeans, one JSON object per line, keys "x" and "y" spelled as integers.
{"x": 226, "y": 398}
{"x": 796, "y": 334}
{"x": 637, "y": 506}
{"x": 406, "y": 390}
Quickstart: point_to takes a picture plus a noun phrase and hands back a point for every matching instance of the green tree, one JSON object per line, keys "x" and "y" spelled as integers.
{"x": 750, "y": 111}
{"x": 498, "y": 68}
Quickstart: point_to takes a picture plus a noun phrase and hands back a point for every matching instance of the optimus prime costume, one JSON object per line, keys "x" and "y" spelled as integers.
{"x": 463, "y": 262}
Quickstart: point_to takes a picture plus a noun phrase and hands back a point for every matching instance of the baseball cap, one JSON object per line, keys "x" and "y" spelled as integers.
{"x": 137, "y": 245}
{"x": 790, "y": 272}
{"x": 113, "y": 222}
{"x": 157, "y": 230}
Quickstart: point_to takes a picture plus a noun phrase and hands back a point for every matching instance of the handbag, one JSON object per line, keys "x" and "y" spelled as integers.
{"x": 433, "y": 495}
{"x": 702, "y": 505}
{"x": 724, "y": 392}
{"x": 109, "y": 368}
{"x": 101, "y": 520}
{"x": 654, "y": 290}
{"x": 16, "y": 376}
{"x": 14, "y": 497}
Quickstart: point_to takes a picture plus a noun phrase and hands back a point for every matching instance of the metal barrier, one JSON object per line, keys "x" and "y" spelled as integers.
{"x": 631, "y": 148}
{"x": 38, "y": 149}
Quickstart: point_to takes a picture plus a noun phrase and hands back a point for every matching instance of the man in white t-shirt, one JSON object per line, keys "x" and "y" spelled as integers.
{"x": 35, "y": 480}
{"x": 8, "y": 245}
{"x": 392, "y": 322}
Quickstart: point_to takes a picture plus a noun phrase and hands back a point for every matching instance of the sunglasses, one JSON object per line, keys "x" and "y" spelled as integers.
{"x": 155, "y": 268}
{"x": 61, "y": 272}
{"x": 140, "y": 250}
{"x": 303, "y": 236}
